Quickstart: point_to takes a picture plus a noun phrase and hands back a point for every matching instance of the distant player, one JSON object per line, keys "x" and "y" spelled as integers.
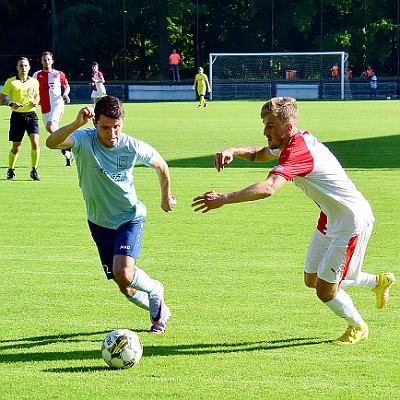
{"x": 23, "y": 94}
{"x": 97, "y": 82}
{"x": 335, "y": 72}
{"x": 174, "y": 61}
{"x": 202, "y": 84}
{"x": 54, "y": 91}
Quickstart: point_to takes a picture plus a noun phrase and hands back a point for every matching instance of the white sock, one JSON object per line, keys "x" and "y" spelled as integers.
{"x": 141, "y": 281}
{"x": 141, "y": 299}
{"x": 364, "y": 279}
{"x": 343, "y": 306}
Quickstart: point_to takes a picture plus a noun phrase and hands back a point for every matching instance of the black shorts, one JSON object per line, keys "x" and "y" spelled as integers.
{"x": 21, "y": 123}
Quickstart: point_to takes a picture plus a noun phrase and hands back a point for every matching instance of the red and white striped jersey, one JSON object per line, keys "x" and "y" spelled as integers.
{"x": 50, "y": 88}
{"x": 316, "y": 171}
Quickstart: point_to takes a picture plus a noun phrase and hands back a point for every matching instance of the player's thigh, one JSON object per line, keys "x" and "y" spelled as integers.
{"x": 128, "y": 239}
{"x": 332, "y": 268}
{"x": 56, "y": 113}
{"x": 17, "y": 127}
{"x": 124, "y": 241}
{"x": 32, "y": 123}
{"x": 201, "y": 90}
{"x": 317, "y": 248}
{"x": 96, "y": 94}
{"x": 127, "y": 246}
{"x": 356, "y": 258}
{"x": 104, "y": 239}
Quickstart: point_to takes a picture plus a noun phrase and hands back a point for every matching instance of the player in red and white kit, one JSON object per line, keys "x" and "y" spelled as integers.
{"x": 97, "y": 82}
{"x": 337, "y": 248}
{"x": 54, "y": 91}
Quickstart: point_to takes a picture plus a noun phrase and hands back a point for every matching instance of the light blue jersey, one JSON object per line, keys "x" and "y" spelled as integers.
{"x": 106, "y": 176}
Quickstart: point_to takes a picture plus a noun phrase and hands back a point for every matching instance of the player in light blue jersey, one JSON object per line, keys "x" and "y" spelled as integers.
{"x": 105, "y": 159}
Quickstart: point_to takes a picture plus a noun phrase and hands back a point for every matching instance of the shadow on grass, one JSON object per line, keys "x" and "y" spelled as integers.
{"x": 380, "y": 152}
{"x": 37, "y": 341}
{"x": 149, "y": 351}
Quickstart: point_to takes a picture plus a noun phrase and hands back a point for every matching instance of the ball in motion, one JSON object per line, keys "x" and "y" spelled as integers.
{"x": 122, "y": 349}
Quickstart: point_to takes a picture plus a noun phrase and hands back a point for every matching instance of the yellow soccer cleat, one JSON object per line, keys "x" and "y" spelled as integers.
{"x": 353, "y": 335}
{"x": 382, "y": 289}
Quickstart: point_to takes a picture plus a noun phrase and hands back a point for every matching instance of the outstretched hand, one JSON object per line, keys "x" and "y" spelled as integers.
{"x": 208, "y": 201}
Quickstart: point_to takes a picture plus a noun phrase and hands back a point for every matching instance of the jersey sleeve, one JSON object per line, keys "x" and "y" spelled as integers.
{"x": 63, "y": 79}
{"x": 295, "y": 160}
{"x": 78, "y": 135}
{"x": 145, "y": 153}
{"x": 7, "y": 87}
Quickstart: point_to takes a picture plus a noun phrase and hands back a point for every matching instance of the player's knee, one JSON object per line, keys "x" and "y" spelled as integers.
{"x": 122, "y": 277}
{"x": 125, "y": 290}
{"x": 310, "y": 280}
{"x": 326, "y": 292}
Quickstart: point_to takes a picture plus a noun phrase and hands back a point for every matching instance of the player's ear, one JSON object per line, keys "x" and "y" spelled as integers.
{"x": 94, "y": 122}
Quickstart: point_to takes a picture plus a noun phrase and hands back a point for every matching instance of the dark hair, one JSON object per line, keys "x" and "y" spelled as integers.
{"x": 23, "y": 59}
{"x": 47, "y": 53}
{"x": 110, "y": 107}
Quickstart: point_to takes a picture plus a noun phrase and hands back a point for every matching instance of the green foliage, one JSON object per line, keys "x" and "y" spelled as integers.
{"x": 244, "y": 326}
{"x": 132, "y": 39}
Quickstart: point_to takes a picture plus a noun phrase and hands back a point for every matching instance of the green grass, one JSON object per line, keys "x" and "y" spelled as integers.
{"x": 244, "y": 326}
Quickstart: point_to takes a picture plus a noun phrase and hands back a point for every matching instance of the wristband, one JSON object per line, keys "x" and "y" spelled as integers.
{"x": 10, "y": 103}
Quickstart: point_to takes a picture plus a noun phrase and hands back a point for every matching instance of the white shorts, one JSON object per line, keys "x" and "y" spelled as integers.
{"x": 100, "y": 92}
{"x": 55, "y": 114}
{"x": 336, "y": 259}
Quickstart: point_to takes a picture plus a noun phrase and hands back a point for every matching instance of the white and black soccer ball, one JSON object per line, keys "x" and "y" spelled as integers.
{"x": 122, "y": 349}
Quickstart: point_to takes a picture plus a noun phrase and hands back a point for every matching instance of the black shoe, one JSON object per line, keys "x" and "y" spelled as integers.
{"x": 205, "y": 104}
{"x": 10, "y": 174}
{"x": 69, "y": 161}
{"x": 34, "y": 175}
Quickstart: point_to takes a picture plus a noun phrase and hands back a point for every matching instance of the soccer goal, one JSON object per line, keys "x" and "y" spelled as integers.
{"x": 265, "y": 75}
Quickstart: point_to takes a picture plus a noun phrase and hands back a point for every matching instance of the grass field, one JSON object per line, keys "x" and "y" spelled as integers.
{"x": 244, "y": 326}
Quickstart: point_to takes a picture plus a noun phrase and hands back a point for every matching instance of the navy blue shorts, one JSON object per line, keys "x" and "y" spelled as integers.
{"x": 126, "y": 240}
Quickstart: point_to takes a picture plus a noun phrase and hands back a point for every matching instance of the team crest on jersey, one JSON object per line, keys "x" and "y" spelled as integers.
{"x": 122, "y": 162}
{"x": 278, "y": 168}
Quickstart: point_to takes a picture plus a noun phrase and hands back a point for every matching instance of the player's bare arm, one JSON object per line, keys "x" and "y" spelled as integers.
{"x": 67, "y": 90}
{"x": 36, "y": 100}
{"x": 168, "y": 202}
{"x": 60, "y": 139}
{"x": 257, "y": 191}
{"x": 251, "y": 153}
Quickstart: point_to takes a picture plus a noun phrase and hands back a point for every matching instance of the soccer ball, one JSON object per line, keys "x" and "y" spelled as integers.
{"x": 122, "y": 349}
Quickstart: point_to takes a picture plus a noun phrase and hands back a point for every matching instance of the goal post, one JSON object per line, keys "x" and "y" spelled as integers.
{"x": 264, "y": 75}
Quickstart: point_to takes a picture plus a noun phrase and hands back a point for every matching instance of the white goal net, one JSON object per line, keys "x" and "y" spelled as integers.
{"x": 265, "y": 75}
